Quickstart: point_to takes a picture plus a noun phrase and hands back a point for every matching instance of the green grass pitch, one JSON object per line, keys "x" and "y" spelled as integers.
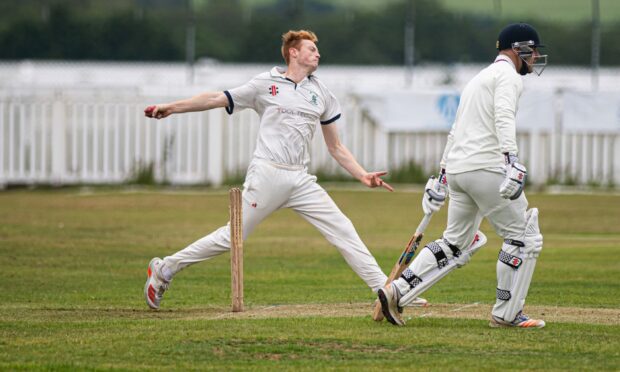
{"x": 73, "y": 265}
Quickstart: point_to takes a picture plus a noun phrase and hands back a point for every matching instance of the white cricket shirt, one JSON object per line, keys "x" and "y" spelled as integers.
{"x": 289, "y": 114}
{"x": 484, "y": 127}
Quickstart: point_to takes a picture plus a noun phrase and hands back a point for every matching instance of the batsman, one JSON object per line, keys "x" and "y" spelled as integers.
{"x": 483, "y": 176}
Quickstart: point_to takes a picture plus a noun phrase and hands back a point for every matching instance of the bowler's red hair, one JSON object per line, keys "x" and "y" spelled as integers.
{"x": 292, "y": 39}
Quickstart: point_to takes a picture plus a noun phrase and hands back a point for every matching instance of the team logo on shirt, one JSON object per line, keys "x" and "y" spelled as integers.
{"x": 311, "y": 97}
{"x": 313, "y": 100}
{"x": 273, "y": 90}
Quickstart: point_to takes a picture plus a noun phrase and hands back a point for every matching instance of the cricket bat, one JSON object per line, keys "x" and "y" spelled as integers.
{"x": 403, "y": 261}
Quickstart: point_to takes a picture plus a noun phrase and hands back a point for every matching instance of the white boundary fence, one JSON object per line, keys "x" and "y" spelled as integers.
{"x": 69, "y": 138}
{"x": 65, "y": 140}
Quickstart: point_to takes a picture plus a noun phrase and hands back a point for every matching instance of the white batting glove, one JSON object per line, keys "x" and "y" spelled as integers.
{"x": 435, "y": 193}
{"x": 533, "y": 238}
{"x": 513, "y": 184}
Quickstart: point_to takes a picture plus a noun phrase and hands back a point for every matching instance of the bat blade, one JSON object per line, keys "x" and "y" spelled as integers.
{"x": 410, "y": 249}
{"x": 403, "y": 262}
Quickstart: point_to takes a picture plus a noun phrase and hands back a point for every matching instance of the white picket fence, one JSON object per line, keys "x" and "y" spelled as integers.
{"x": 65, "y": 138}
{"x": 61, "y": 141}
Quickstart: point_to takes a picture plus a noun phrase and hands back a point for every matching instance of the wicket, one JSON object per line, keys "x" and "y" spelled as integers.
{"x": 236, "y": 250}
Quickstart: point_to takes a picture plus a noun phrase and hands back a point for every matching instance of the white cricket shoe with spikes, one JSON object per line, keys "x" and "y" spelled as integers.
{"x": 522, "y": 321}
{"x": 155, "y": 285}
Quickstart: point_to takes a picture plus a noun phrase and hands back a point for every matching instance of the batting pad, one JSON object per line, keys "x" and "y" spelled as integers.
{"x": 515, "y": 297}
{"x": 437, "y": 273}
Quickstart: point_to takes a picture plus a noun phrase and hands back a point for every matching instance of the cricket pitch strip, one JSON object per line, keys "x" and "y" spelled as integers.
{"x": 551, "y": 314}
{"x": 479, "y": 311}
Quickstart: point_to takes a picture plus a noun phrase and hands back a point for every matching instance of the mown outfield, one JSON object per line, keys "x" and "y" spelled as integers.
{"x": 73, "y": 266}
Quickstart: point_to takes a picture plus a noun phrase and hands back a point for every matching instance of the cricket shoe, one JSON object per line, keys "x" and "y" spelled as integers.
{"x": 155, "y": 285}
{"x": 389, "y": 296}
{"x": 521, "y": 321}
{"x": 417, "y": 302}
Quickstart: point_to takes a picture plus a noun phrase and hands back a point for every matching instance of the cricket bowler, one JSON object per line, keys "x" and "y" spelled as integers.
{"x": 291, "y": 102}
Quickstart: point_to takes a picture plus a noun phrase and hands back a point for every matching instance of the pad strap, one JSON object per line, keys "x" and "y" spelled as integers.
{"x": 440, "y": 255}
{"x": 503, "y": 294}
{"x": 510, "y": 260}
{"x": 455, "y": 250}
{"x": 516, "y": 243}
{"x": 411, "y": 278}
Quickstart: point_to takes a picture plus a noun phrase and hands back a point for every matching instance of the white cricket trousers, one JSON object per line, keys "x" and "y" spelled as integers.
{"x": 269, "y": 187}
{"x": 474, "y": 195}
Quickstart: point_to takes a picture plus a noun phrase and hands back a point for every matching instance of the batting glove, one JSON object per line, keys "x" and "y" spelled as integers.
{"x": 516, "y": 174}
{"x": 435, "y": 193}
{"x": 533, "y": 241}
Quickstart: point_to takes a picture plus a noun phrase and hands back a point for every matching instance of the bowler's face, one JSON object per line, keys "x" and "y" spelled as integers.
{"x": 308, "y": 54}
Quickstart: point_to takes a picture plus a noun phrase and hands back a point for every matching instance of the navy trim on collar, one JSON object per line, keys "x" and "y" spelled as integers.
{"x": 291, "y": 82}
{"x": 331, "y": 120}
{"x": 231, "y": 104}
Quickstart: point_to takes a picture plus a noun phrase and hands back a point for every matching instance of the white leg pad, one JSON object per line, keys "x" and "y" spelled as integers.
{"x": 428, "y": 279}
{"x": 510, "y": 302}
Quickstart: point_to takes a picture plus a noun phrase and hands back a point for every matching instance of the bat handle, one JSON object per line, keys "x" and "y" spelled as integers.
{"x": 423, "y": 224}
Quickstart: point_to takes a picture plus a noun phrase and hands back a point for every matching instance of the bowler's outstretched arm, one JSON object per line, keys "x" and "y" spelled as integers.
{"x": 344, "y": 157}
{"x": 202, "y": 102}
